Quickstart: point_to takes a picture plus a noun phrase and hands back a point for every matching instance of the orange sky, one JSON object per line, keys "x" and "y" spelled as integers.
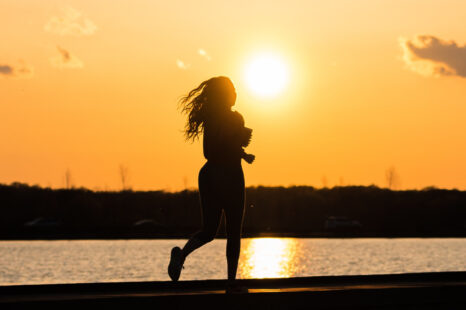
{"x": 90, "y": 85}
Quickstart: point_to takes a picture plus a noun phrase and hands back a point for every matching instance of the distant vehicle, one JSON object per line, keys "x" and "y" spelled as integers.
{"x": 341, "y": 223}
{"x": 147, "y": 226}
{"x": 146, "y": 223}
{"x": 42, "y": 222}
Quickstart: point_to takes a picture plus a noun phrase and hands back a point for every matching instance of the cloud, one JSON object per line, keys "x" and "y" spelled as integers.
{"x": 6, "y": 69}
{"x": 182, "y": 65}
{"x": 431, "y": 56}
{"x": 65, "y": 60}
{"x": 204, "y": 54}
{"x": 20, "y": 71}
{"x": 70, "y": 23}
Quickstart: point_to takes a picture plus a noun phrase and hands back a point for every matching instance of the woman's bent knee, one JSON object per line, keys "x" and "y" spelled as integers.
{"x": 205, "y": 236}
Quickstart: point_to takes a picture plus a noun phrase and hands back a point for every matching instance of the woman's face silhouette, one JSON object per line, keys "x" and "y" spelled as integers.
{"x": 230, "y": 95}
{"x": 224, "y": 93}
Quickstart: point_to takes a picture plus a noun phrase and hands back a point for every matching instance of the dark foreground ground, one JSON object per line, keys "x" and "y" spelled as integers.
{"x": 443, "y": 290}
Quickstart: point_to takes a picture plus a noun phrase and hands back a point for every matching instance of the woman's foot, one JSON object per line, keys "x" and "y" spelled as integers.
{"x": 176, "y": 264}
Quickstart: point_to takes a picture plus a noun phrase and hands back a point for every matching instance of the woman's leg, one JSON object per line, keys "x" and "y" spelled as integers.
{"x": 234, "y": 211}
{"x": 210, "y": 218}
{"x": 211, "y": 213}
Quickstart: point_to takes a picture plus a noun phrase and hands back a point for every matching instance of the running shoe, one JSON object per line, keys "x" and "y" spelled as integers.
{"x": 176, "y": 264}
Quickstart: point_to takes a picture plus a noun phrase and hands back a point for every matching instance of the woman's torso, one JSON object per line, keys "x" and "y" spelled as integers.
{"x": 221, "y": 140}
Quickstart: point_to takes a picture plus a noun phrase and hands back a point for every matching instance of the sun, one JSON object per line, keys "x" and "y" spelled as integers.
{"x": 266, "y": 75}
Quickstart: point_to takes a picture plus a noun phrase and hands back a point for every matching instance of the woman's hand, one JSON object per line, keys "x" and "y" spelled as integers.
{"x": 247, "y": 134}
{"x": 249, "y": 158}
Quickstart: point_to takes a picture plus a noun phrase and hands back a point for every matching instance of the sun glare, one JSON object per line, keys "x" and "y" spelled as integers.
{"x": 269, "y": 258}
{"x": 266, "y": 75}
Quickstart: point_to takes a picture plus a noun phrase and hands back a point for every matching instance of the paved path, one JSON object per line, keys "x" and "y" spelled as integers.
{"x": 442, "y": 290}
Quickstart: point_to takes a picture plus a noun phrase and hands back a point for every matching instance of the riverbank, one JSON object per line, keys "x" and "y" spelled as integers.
{"x": 300, "y": 211}
{"x": 117, "y": 236}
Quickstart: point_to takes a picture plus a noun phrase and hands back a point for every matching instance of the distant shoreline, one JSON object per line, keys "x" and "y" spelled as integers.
{"x": 221, "y": 236}
{"x": 32, "y": 213}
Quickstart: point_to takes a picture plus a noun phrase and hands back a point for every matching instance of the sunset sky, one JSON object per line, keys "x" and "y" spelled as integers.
{"x": 91, "y": 85}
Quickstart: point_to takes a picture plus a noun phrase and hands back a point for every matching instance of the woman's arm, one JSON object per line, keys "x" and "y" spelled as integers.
{"x": 244, "y": 137}
{"x": 249, "y": 158}
{"x": 241, "y": 134}
{"x": 236, "y": 136}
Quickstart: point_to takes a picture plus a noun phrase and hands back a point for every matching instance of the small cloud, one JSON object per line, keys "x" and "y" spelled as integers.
{"x": 6, "y": 69}
{"x": 20, "y": 71}
{"x": 182, "y": 65}
{"x": 431, "y": 56}
{"x": 204, "y": 54}
{"x": 66, "y": 60}
{"x": 70, "y": 23}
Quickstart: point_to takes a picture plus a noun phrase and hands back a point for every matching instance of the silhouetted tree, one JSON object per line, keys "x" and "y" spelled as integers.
{"x": 68, "y": 179}
{"x": 324, "y": 181}
{"x": 392, "y": 178}
{"x": 123, "y": 170}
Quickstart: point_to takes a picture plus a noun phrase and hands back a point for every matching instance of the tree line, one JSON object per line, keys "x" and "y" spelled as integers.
{"x": 34, "y": 212}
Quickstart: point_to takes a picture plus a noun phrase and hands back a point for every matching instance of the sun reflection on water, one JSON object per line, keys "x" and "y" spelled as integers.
{"x": 268, "y": 258}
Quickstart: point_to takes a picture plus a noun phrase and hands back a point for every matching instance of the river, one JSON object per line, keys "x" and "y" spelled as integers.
{"x": 78, "y": 261}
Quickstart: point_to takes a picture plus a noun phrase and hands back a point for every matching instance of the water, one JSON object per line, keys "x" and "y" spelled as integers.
{"x": 34, "y": 262}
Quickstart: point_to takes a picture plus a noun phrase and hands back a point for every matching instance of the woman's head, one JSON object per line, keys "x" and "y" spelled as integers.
{"x": 219, "y": 92}
{"x": 208, "y": 100}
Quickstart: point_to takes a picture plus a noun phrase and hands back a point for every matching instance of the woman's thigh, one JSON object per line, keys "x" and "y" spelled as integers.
{"x": 234, "y": 205}
{"x": 222, "y": 188}
{"x": 211, "y": 209}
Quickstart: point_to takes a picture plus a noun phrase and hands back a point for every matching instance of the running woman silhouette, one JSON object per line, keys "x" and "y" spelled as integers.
{"x": 221, "y": 179}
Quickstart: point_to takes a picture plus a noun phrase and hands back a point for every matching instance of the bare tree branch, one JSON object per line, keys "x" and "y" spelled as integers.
{"x": 392, "y": 178}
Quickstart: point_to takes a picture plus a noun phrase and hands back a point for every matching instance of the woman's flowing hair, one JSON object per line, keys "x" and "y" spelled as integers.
{"x": 198, "y": 105}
